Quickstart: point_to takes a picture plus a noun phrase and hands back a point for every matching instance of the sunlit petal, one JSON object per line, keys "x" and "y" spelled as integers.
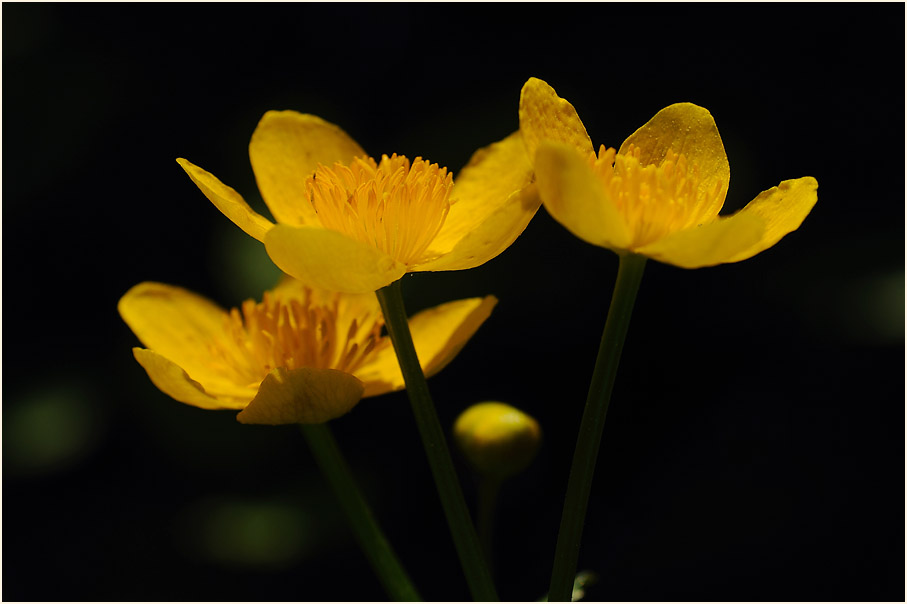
{"x": 707, "y": 245}
{"x": 228, "y": 201}
{"x": 687, "y": 129}
{"x": 285, "y": 149}
{"x": 486, "y": 184}
{"x": 331, "y": 260}
{"x": 783, "y": 209}
{"x": 546, "y": 116}
{"x": 574, "y": 197}
{"x": 492, "y": 236}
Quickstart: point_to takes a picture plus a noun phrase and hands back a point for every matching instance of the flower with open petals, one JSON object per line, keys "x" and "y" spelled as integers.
{"x": 349, "y": 223}
{"x": 659, "y": 194}
{"x": 301, "y": 355}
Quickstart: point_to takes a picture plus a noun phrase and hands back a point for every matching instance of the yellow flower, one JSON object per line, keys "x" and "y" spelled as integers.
{"x": 349, "y": 223}
{"x": 301, "y": 355}
{"x": 658, "y": 195}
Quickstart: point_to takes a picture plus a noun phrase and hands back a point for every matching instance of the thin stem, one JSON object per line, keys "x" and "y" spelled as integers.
{"x": 629, "y": 275}
{"x": 489, "y": 486}
{"x": 381, "y": 556}
{"x": 464, "y": 535}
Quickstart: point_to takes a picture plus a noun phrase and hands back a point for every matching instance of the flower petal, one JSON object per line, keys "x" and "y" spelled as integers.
{"x": 302, "y": 396}
{"x": 491, "y": 237}
{"x": 689, "y": 129}
{"x": 438, "y": 333}
{"x": 493, "y": 174}
{"x": 783, "y": 209}
{"x": 714, "y": 243}
{"x": 172, "y": 380}
{"x": 285, "y": 149}
{"x": 546, "y": 116}
{"x": 574, "y": 196}
{"x": 331, "y": 260}
{"x": 227, "y": 201}
{"x": 174, "y": 322}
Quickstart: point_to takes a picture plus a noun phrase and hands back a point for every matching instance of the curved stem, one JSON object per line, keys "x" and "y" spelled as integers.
{"x": 629, "y": 275}
{"x": 381, "y": 556}
{"x": 461, "y": 528}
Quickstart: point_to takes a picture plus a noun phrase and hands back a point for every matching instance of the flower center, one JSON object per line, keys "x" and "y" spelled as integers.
{"x": 655, "y": 200}
{"x": 394, "y": 206}
{"x": 293, "y": 333}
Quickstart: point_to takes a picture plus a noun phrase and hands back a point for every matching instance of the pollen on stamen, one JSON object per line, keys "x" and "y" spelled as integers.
{"x": 396, "y": 206}
{"x": 655, "y": 200}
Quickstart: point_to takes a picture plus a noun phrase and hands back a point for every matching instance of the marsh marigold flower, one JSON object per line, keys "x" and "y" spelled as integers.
{"x": 301, "y": 355}
{"x": 659, "y": 194}
{"x": 350, "y": 223}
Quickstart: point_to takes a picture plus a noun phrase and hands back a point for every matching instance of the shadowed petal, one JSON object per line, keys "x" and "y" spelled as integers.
{"x": 227, "y": 201}
{"x": 285, "y": 149}
{"x": 331, "y": 260}
{"x": 689, "y": 129}
{"x": 783, "y": 209}
{"x": 546, "y": 116}
{"x": 574, "y": 196}
{"x": 302, "y": 396}
{"x": 438, "y": 334}
{"x": 172, "y": 380}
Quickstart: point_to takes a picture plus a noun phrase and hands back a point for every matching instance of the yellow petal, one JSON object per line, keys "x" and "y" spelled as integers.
{"x": 285, "y": 149}
{"x": 546, "y": 116}
{"x": 487, "y": 183}
{"x": 491, "y": 237}
{"x": 174, "y": 322}
{"x": 302, "y": 396}
{"x": 574, "y": 196}
{"x": 172, "y": 380}
{"x": 714, "y": 243}
{"x": 783, "y": 209}
{"x": 228, "y": 201}
{"x": 689, "y": 129}
{"x": 438, "y": 334}
{"x": 331, "y": 260}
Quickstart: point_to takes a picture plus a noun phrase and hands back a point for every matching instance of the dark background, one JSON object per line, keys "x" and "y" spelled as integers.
{"x": 754, "y": 448}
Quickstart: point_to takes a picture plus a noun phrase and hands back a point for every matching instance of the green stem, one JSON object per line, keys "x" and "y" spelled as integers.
{"x": 464, "y": 535}
{"x": 489, "y": 487}
{"x": 381, "y": 556}
{"x": 629, "y": 275}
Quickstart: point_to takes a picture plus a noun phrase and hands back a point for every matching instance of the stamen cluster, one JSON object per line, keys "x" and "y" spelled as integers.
{"x": 397, "y": 207}
{"x": 292, "y": 333}
{"x": 655, "y": 200}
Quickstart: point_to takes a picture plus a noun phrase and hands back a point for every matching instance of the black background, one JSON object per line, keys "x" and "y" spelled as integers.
{"x": 754, "y": 447}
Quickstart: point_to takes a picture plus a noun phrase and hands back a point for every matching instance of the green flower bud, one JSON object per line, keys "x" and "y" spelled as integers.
{"x": 499, "y": 440}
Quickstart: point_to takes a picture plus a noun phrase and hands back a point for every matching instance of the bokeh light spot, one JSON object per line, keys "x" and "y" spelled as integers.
{"x": 49, "y": 429}
{"x": 261, "y": 535}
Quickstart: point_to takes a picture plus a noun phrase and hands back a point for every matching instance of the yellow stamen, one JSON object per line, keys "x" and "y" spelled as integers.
{"x": 293, "y": 333}
{"x": 655, "y": 200}
{"x": 397, "y": 207}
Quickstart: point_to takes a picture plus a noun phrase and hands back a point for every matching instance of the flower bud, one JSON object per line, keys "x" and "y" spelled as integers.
{"x": 497, "y": 439}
